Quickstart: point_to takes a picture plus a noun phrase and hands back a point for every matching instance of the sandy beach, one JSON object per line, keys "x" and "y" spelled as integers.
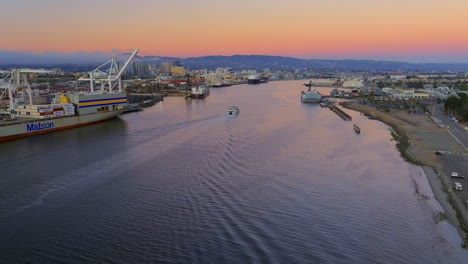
{"x": 417, "y": 138}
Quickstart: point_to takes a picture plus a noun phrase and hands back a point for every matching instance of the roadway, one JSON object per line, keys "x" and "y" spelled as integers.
{"x": 457, "y": 130}
{"x": 456, "y": 163}
{"x": 453, "y": 162}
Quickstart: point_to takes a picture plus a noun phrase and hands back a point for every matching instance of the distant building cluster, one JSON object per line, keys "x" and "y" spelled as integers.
{"x": 172, "y": 74}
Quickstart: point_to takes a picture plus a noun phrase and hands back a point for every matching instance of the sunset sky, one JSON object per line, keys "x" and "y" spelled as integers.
{"x": 413, "y": 30}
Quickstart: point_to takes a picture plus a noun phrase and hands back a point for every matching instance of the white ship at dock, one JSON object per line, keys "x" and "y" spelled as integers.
{"x": 22, "y": 118}
{"x": 310, "y": 96}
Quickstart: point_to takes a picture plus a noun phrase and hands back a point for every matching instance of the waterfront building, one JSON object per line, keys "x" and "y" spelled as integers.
{"x": 421, "y": 95}
{"x": 141, "y": 70}
{"x": 130, "y": 70}
{"x": 223, "y": 71}
{"x": 398, "y": 77}
{"x": 392, "y": 93}
{"x": 353, "y": 84}
{"x": 166, "y": 67}
{"x": 153, "y": 70}
{"x": 178, "y": 71}
{"x": 323, "y": 82}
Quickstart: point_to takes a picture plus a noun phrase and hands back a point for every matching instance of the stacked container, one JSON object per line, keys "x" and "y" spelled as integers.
{"x": 57, "y": 109}
{"x": 35, "y": 111}
{"x": 46, "y": 111}
{"x": 68, "y": 109}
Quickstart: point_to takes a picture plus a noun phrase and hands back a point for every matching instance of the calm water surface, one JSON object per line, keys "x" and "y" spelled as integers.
{"x": 182, "y": 182}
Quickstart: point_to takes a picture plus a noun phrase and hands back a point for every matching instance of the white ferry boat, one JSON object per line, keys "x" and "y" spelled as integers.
{"x": 233, "y": 110}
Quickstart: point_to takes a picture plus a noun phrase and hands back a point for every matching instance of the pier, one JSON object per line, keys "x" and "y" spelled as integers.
{"x": 340, "y": 112}
{"x": 138, "y": 101}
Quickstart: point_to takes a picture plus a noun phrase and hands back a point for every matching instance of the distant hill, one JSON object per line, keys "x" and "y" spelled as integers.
{"x": 278, "y": 62}
{"x": 90, "y": 59}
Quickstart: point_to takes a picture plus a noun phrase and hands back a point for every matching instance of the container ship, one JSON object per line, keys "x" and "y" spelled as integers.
{"x": 21, "y": 119}
{"x": 199, "y": 92}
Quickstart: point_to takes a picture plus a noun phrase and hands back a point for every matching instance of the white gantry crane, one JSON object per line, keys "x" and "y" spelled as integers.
{"x": 111, "y": 77}
{"x": 15, "y": 81}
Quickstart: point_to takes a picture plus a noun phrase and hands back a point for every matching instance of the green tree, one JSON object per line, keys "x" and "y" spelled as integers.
{"x": 464, "y": 86}
{"x": 381, "y": 84}
{"x": 452, "y": 103}
{"x": 361, "y": 93}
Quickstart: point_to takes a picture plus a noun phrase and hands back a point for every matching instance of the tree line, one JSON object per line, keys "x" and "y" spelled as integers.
{"x": 457, "y": 106}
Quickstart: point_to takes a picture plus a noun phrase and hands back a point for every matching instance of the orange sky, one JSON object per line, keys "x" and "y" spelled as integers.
{"x": 299, "y": 28}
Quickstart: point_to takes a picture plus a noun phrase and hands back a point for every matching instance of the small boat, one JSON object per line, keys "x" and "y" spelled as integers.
{"x": 233, "y": 110}
{"x": 323, "y": 104}
{"x": 357, "y": 129}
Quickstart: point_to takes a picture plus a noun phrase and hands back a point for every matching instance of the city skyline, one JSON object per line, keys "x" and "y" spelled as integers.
{"x": 415, "y": 31}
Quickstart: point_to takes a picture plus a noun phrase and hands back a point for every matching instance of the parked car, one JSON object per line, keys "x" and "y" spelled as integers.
{"x": 458, "y": 186}
{"x": 457, "y": 175}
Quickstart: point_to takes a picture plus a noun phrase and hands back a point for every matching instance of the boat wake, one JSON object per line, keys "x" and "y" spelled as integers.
{"x": 60, "y": 190}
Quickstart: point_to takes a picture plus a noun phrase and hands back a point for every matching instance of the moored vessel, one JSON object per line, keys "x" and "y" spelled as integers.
{"x": 199, "y": 92}
{"x": 22, "y": 118}
{"x": 219, "y": 85}
{"x": 253, "y": 79}
{"x": 264, "y": 78}
{"x": 310, "y": 96}
{"x": 220, "y": 81}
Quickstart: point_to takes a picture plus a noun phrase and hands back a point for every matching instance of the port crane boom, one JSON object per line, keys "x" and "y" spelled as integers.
{"x": 109, "y": 78}
{"x": 308, "y": 85}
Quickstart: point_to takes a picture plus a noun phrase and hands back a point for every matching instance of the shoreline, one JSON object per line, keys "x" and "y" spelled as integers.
{"x": 407, "y": 133}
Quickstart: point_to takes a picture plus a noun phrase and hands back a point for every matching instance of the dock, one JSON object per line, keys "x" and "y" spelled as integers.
{"x": 132, "y": 108}
{"x": 340, "y": 112}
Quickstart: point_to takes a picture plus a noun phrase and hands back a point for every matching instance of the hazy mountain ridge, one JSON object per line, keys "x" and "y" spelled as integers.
{"x": 55, "y": 59}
